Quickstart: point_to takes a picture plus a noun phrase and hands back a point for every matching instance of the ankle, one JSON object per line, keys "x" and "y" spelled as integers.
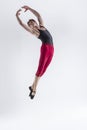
{"x": 33, "y": 87}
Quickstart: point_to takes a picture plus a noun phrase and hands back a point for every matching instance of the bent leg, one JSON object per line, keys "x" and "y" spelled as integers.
{"x": 42, "y": 61}
{"x": 51, "y": 52}
{"x": 47, "y": 64}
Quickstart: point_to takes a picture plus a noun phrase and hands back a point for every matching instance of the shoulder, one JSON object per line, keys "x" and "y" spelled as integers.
{"x": 42, "y": 27}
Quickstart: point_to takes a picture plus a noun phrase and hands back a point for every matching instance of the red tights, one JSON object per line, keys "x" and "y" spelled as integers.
{"x": 46, "y": 54}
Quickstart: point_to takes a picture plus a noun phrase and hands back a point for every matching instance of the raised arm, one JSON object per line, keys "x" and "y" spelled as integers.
{"x": 40, "y": 20}
{"x": 21, "y": 23}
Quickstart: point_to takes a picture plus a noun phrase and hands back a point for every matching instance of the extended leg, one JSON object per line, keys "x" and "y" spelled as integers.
{"x": 34, "y": 85}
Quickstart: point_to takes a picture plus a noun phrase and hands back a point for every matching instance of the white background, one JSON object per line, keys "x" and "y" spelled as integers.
{"x": 61, "y": 99}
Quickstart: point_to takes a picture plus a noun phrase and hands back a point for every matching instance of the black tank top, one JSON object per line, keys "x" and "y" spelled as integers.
{"x": 45, "y": 37}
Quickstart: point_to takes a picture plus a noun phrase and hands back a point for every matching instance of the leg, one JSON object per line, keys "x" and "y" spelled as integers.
{"x": 47, "y": 64}
{"x": 51, "y": 52}
{"x": 45, "y": 59}
{"x": 36, "y": 80}
{"x": 33, "y": 87}
{"x": 42, "y": 62}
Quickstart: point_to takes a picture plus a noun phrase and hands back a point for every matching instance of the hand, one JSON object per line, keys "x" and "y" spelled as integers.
{"x": 18, "y": 12}
{"x": 26, "y": 8}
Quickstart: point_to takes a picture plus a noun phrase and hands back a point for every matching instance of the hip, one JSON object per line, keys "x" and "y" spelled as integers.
{"x": 47, "y": 48}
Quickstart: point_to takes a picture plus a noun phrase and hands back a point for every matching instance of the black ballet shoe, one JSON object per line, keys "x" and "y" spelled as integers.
{"x": 30, "y": 90}
{"x": 32, "y": 93}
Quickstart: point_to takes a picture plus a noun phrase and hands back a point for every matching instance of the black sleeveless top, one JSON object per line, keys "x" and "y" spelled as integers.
{"x": 45, "y": 37}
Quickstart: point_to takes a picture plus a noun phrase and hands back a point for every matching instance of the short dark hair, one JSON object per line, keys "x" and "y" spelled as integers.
{"x": 30, "y": 20}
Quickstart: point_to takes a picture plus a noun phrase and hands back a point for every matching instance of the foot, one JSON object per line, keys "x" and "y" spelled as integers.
{"x": 32, "y": 92}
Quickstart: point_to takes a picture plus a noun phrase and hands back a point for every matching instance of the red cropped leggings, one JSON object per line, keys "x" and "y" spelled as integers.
{"x": 46, "y": 54}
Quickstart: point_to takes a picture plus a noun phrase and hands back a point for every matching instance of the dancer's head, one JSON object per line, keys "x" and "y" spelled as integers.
{"x": 32, "y": 23}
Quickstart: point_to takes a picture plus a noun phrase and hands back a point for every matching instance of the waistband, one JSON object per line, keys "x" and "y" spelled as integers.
{"x": 50, "y": 44}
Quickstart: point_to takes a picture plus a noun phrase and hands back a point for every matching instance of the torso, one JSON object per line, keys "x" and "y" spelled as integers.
{"x": 37, "y": 32}
{"x": 43, "y": 34}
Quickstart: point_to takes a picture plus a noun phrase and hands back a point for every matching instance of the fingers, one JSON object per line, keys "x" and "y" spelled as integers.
{"x": 18, "y": 12}
{"x": 25, "y": 10}
{"x": 25, "y": 7}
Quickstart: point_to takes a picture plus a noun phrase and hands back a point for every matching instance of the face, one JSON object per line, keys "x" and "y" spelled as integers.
{"x": 32, "y": 24}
